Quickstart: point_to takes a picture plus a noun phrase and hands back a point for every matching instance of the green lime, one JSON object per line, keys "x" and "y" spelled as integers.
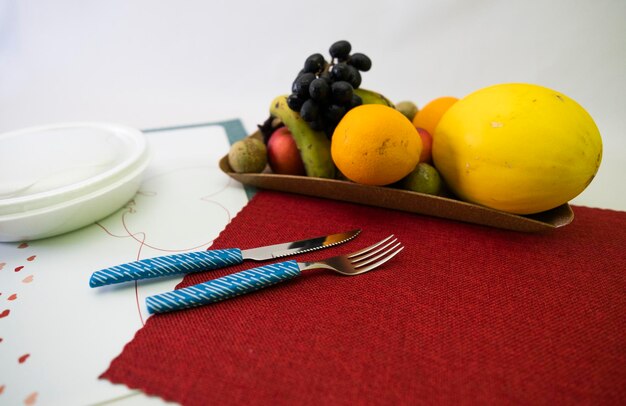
{"x": 424, "y": 179}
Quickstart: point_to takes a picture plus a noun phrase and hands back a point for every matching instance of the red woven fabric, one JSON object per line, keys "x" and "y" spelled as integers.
{"x": 464, "y": 315}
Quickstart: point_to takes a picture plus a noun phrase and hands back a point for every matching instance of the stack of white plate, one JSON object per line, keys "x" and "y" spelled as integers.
{"x": 57, "y": 178}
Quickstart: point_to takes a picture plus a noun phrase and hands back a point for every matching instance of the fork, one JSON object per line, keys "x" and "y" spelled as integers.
{"x": 253, "y": 279}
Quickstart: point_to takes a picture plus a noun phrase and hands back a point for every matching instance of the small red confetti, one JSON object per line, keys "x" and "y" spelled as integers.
{"x": 22, "y": 245}
{"x": 12, "y": 297}
{"x": 31, "y": 399}
{"x": 31, "y": 258}
{"x": 19, "y": 268}
{"x": 23, "y": 358}
{"x": 28, "y": 279}
{"x": 2, "y": 264}
{"x": 5, "y": 313}
{"x": 2, "y": 389}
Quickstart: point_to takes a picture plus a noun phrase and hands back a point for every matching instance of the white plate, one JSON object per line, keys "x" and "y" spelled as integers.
{"x": 57, "y": 178}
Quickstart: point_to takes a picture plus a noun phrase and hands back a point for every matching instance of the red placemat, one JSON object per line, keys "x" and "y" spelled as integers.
{"x": 465, "y": 314}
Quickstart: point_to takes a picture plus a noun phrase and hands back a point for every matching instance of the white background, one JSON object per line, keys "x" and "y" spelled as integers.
{"x": 149, "y": 63}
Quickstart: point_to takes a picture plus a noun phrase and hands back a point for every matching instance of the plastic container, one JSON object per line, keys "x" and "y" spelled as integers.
{"x": 404, "y": 200}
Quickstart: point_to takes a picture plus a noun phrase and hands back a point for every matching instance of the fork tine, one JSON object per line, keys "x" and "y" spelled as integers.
{"x": 371, "y": 253}
{"x": 381, "y": 261}
{"x": 364, "y": 261}
{"x": 359, "y": 252}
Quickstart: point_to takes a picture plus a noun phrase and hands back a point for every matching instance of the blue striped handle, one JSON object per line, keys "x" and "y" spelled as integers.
{"x": 223, "y": 288}
{"x": 167, "y": 265}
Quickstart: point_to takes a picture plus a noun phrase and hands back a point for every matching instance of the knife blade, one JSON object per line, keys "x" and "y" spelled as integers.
{"x": 200, "y": 261}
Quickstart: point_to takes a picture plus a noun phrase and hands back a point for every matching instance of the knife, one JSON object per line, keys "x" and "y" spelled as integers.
{"x": 200, "y": 261}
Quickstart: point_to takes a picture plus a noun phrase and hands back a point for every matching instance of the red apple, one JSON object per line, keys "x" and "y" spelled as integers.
{"x": 427, "y": 145}
{"x": 283, "y": 155}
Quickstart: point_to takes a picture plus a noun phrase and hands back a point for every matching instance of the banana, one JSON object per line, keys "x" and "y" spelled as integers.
{"x": 314, "y": 146}
{"x": 371, "y": 97}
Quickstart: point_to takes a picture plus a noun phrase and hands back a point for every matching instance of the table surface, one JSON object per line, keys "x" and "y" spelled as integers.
{"x": 150, "y": 65}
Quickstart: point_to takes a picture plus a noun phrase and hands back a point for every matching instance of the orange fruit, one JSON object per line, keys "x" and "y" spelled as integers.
{"x": 428, "y": 117}
{"x": 375, "y": 144}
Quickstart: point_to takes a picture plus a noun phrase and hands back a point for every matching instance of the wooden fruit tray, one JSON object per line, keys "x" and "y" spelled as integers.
{"x": 403, "y": 200}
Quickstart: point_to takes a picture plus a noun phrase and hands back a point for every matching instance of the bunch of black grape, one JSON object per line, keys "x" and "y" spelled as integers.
{"x": 323, "y": 92}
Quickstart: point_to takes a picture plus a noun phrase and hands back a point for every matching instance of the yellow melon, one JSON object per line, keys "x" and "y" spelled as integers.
{"x": 517, "y": 147}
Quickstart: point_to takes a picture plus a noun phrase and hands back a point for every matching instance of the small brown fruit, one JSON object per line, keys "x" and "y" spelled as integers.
{"x": 407, "y": 108}
{"x": 248, "y": 156}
